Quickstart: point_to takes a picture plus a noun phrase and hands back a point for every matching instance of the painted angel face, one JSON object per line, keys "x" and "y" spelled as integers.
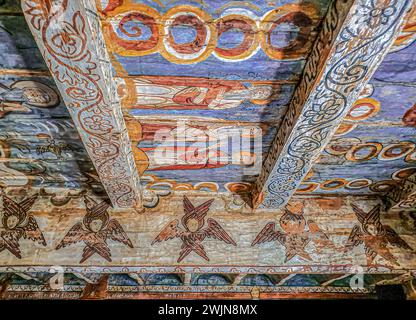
{"x": 291, "y": 225}
{"x": 96, "y": 225}
{"x": 371, "y": 229}
{"x": 12, "y": 222}
{"x": 36, "y": 95}
{"x": 192, "y": 225}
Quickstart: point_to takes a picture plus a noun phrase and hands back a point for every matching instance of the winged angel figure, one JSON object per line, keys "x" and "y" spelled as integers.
{"x": 295, "y": 236}
{"x": 192, "y": 234}
{"x": 95, "y": 229}
{"x": 375, "y": 236}
{"x": 18, "y": 223}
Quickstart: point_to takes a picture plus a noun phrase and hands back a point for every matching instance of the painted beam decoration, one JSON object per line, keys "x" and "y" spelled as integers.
{"x": 355, "y": 37}
{"x": 373, "y": 150}
{"x": 68, "y": 36}
{"x": 47, "y": 285}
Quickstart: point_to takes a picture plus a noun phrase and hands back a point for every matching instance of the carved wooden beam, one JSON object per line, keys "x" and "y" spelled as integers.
{"x": 404, "y": 195}
{"x": 355, "y": 37}
{"x": 69, "y": 37}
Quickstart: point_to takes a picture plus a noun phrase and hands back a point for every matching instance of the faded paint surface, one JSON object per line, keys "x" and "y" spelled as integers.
{"x": 374, "y": 148}
{"x": 335, "y": 224}
{"x": 41, "y": 153}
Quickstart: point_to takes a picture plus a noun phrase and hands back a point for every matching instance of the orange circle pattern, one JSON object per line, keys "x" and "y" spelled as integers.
{"x": 129, "y": 41}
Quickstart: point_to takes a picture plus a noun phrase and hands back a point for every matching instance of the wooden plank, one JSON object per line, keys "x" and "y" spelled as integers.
{"x": 355, "y": 37}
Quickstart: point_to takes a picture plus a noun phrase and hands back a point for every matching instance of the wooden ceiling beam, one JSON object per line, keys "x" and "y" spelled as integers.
{"x": 355, "y": 37}
{"x": 69, "y": 36}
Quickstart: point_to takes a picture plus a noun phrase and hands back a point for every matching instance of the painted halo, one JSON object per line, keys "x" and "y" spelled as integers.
{"x": 363, "y": 109}
{"x": 305, "y": 187}
{"x": 238, "y": 187}
{"x": 300, "y": 17}
{"x": 358, "y": 184}
{"x": 207, "y": 186}
{"x": 194, "y": 51}
{"x": 247, "y": 47}
{"x": 411, "y": 157}
{"x": 345, "y": 128}
{"x": 383, "y": 186}
{"x": 37, "y": 94}
{"x": 333, "y": 184}
{"x": 403, "y": 173}
{"x": 373, "y": 149}
{"x": 340, "y": 146}
{"x": 396, "y": 150}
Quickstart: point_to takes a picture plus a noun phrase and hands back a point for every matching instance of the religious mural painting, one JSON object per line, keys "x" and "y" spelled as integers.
{"x": 52, "y": 146}
{"x": 192, "y": 233}
{"x": 200, "y": 63}
{"x": 375, "y": 236}
{"x": 229, "y": 69}
{"x": 95, "y": 230}
{"x": 18, "y": 223}
{"x": 297, "y": 234}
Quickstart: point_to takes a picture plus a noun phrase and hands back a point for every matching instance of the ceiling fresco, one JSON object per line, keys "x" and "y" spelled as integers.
{"x": 224, "y": 69}
{"x": 193, "y": 76}
{"x": 376, "y": 137}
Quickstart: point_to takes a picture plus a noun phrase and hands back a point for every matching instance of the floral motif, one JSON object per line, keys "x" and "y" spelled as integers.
{"x": 97, "y": 123}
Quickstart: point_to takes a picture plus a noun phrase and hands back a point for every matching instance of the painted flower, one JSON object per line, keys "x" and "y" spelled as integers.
{"x": 97, "y": 123}
{"x": 378, "y": 15}
{"x": 321, "y": 112}
{"x": 288, "y": 165}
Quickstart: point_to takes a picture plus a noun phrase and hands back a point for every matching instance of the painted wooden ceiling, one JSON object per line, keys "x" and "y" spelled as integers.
{"x": 214, "y": 71}
{"x": 215, "y": 95}
{"x": 223, "y": 69}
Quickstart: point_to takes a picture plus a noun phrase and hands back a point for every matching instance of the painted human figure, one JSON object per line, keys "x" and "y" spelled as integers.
{"x": 197, "y": 146}
{"x": 18, "y": 223}
{"x": 295, "y": 236}
{"x": 198, "y": 93}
